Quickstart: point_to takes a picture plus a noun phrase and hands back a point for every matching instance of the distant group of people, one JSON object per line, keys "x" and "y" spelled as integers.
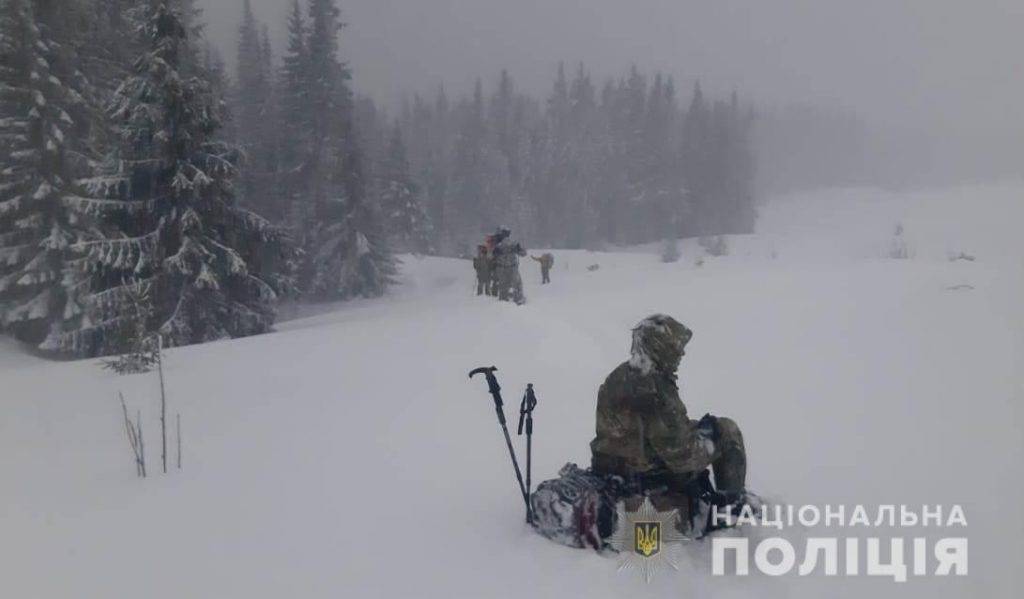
{"x": 497, "y": 267}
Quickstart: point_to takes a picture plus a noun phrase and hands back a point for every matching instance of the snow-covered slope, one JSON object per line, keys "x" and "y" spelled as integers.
{"x": 347, "y": 455}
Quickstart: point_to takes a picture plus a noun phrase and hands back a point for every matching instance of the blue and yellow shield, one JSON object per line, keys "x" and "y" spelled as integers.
{"x": 647, "y": 538}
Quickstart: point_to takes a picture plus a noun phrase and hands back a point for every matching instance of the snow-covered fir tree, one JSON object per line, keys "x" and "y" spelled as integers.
{"x": 253, "y": 114}
{"x": 405, "y": 219}
{"x": 294, "y": 123}
{"x": 45, "y": 118}
{"x": 110, "y": 44}
{"x": 466, "y": 204}
{"x": 208, "y": 265}
{"x": 346, "y": 247}
{"x": 353, "y": 258}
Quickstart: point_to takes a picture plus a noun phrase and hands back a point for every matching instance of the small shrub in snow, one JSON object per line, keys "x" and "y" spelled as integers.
{"x": 714, "y": 246}
{"x": 961, "y": 256}
{"x": 670, "y": 251}
{"x": 142, "y": 349}
{"x": 898, "y": 249}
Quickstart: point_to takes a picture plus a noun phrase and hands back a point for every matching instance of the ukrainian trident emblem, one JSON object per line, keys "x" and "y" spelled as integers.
{"x": 647, "y": 539}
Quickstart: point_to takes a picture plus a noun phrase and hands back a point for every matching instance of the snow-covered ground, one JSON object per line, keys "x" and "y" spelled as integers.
{"x": 347, "y": 455}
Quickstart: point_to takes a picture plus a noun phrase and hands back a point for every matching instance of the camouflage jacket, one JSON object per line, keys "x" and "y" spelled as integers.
{"x": 643, "y": 429}
{"x": 506, "y": 254}
{"x": 482, "y": 265}
{"x": 546, "y": 261}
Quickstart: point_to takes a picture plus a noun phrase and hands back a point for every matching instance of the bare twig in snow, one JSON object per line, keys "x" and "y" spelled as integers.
{"x": 163, "y": 403}
{"x": 134, "y": 432}
{"x": 179, "y": 440}
{"x": 130, "y": 432}
{"x": 142, "y": 445}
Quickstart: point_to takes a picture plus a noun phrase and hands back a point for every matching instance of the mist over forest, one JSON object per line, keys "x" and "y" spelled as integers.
{"x": 179, "y": 168}
{"x": 902, "y": 95}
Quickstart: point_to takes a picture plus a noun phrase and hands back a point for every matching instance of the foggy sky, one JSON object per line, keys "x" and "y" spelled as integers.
{"x": 949, "y": 66}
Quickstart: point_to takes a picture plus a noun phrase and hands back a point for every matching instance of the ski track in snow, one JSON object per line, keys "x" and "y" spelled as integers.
{"x": 348, "y": 455}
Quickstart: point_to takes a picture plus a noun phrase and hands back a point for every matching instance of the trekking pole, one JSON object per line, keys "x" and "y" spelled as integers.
{"x": 526, "y": 412}
{"x": 495, "y": 391}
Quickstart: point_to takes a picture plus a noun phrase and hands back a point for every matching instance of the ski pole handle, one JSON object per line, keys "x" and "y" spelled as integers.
{"x": 493, "y": 387}
{"x": 488, "y": 372}
{"x": 522, "y": 416}
{"x": 482, "y": 369}
{"x": 526, "y": 410}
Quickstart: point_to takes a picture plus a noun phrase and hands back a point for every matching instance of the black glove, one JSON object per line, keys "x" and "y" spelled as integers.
{"x": 708, "y": 426}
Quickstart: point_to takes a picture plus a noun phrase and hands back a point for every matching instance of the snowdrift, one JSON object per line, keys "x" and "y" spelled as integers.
{"x": 347, "y": 454}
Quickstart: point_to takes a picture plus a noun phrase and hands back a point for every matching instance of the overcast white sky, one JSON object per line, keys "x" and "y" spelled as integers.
{"x": 951, "y": 65}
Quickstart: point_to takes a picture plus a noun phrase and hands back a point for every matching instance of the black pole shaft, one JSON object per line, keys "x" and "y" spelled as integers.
{"x": 515, "y": 464}
{"x": 495, "y": 390}
{"x": 529, "y": 461}
{"x": 526, "y": 417}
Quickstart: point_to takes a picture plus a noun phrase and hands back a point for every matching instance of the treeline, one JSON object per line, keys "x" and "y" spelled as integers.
{"x": 144, "y": 190}
{"x": 621, "y": 163}
{"x": 587, "y": 166}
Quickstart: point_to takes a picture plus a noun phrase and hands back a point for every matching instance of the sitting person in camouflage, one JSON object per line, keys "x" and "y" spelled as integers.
{"x": 644, "y": 434}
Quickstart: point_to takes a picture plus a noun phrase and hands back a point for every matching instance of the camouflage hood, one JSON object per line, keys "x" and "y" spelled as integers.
{"x": 659, "y": 342}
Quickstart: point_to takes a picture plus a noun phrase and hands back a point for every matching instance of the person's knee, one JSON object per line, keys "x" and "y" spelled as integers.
{"x": 728, "y": 429}
{"x": 730, "y": 437}
{"x": 730, "y": 465}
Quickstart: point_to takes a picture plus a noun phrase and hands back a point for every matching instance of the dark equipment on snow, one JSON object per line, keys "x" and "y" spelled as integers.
{"x": 495, "y": 390}
{"x": 702, "y": 496}
{"x": 579, "y": 507}
{"x": 526, "y": 414}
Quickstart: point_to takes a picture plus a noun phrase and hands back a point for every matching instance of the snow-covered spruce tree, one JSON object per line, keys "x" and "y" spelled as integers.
{"x": 405, "y": 221}
{"x": 207, "y": 264}
{"x": 467, "y": 203}
{"x": 215, "y": 72}
{"x": 347, "y": 254}
{"x": 109, "y": 42}
{"x": 45, "y": 118}
{"x": 293, "y": 147}
{"x": 353, "y": 258}
{"x": 253, "y": 118}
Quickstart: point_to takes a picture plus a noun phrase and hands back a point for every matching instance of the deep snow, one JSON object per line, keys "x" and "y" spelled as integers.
{"x": 348, "y": 455}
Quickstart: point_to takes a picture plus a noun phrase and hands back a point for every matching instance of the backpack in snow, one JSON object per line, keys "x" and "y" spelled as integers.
{"x": 577, "y": 508}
